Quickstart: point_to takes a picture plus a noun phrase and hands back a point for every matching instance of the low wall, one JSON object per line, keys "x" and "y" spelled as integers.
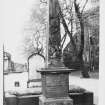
{"x": 11, "y": 78}
{"x": 85, "y": 98}
{"x": 11, "y": 100}
{"x": 28, "y": 100}
{"x": 30, "y": 96}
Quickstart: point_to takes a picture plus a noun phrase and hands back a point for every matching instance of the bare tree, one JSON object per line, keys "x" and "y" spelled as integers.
{"x": 65, "y": 15}
{"x": 79, "y": 13}
{"x": 35, "y": 30}
{"x": 67, "y": 11}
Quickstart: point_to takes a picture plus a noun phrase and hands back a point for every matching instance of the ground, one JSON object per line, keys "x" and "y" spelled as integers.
{"x": 90, "y": 84}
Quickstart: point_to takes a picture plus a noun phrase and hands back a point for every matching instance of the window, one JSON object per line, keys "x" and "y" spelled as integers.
{"x": 17, "y": 84}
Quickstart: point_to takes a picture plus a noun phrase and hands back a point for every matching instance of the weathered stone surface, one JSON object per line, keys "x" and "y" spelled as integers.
{"x": 54, "y": 30}
{"x": 55, "y": 85}
{"x": 82, "y": 98}
{"x": 28, "y": 100}
{"x": 52, "y": 101}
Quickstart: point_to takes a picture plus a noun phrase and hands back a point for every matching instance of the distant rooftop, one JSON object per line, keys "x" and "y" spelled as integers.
{"x": 20, "y": 67}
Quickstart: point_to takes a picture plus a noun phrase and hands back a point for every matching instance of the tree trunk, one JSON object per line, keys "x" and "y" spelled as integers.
{"x": 67, "y": 31}
{"x": 84, "y": 69}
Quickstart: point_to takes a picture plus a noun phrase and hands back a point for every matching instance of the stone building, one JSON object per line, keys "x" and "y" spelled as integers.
{"x": 16, "y": 79}
{"x": 8, "y": 63}
{"x": 20, "y": 67}
{"x": 15, "y": 74}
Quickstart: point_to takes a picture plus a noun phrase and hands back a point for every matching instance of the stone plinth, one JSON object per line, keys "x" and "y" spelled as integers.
{"x": 52, "y": 101}
{"x": 55, "y": 83}
{"x": 55, "y": 86}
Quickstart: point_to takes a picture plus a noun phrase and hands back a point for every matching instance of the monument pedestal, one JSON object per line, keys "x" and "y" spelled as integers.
{"x": 54, "y": 101}
{"x": 55, "y": 86}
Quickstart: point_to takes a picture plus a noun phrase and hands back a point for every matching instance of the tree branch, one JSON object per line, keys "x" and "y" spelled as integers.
{"x": 66, "y": 28}
{"x": 84, "y": 6}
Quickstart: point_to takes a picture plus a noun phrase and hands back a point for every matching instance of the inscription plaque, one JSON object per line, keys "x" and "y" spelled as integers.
{"x": 55, "y": 85}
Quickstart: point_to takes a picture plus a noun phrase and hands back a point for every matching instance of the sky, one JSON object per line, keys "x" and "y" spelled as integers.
{"x": 14, "y": 15}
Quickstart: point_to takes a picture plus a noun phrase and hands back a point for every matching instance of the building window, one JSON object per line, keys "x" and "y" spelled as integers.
{"x": 17, "y": 84}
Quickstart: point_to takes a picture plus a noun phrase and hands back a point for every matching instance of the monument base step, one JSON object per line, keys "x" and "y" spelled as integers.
{"x": 55, "y": 101}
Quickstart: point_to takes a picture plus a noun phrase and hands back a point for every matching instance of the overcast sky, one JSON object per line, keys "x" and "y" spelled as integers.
{"x": 14, "y": 14}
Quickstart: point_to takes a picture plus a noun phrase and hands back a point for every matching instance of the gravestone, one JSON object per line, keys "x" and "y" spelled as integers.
{"x": 35, "y": 62}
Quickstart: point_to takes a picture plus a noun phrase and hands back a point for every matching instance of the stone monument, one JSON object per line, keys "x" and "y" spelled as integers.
{"x": 55, "y": 76}
{"x": 35, "y": 62}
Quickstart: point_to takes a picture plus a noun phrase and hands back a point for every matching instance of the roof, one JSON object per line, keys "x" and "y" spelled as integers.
{"x": 20, "y": 67}
{"x": 7, "y": 55}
